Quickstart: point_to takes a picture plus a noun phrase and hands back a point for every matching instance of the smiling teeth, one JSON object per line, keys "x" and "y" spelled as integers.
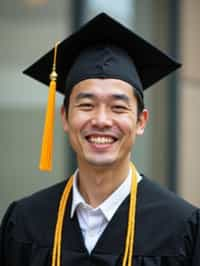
{"x": 101, "y": 140}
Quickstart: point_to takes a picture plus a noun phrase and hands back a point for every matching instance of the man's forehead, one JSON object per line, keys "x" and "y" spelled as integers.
{"x": 106, "y": 85}
{"x": 102, "y": 88}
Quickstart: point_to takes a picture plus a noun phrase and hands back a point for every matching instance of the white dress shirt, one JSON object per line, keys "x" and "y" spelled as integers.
{"x": 93, "y": 221}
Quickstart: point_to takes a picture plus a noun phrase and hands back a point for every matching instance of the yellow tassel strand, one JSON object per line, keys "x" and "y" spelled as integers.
{"x": 47, "y": 140}
{"x": 129, "y": 244}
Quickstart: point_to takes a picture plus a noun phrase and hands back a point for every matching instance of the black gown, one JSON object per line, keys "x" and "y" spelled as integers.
{"x": 167, "y": 231}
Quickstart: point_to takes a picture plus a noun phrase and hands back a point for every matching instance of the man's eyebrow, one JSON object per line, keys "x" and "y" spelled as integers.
{"x": 122, "y": 97}
{"x": 83, "y": 95}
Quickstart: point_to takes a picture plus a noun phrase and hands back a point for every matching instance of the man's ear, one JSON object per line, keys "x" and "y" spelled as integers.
{"x": 64, "y": 119}
{"x": 142, "y": 121}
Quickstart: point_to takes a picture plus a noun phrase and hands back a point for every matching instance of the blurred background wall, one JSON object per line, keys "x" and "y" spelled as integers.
{"x": 189, "y": 137}
{"x": 168, "y": 151}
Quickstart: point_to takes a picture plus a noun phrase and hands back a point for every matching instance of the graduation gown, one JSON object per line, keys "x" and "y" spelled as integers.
{"x": 167, "y": 231}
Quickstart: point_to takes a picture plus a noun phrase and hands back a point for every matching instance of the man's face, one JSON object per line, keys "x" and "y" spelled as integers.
{"x": 102, "y": 121}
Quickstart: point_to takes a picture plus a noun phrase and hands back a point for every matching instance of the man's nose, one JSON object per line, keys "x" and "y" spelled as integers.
{"x": 102, "y": 118}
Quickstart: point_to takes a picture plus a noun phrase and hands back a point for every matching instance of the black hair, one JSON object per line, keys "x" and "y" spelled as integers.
{"x": 140, "y": 103}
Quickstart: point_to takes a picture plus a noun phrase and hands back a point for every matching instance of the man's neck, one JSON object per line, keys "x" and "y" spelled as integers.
{"x": 96, "y": 183}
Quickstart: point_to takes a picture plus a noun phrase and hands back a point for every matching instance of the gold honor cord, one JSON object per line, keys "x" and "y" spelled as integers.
{"x": 128, "y": 253}
{"x": 56, "y": 257}
{"x": 129, "y": 244}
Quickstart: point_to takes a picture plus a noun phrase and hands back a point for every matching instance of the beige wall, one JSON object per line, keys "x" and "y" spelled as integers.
{"x": 151, "y": 150}
{"x": 189, "y": 136}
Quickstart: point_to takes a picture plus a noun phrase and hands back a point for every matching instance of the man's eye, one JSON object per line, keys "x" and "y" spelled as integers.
{"x": 119, "y": 108}
{"x": 86, "y": 106}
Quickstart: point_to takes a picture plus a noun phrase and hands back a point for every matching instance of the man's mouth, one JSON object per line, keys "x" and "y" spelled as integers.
{"x": 101, "y": 139}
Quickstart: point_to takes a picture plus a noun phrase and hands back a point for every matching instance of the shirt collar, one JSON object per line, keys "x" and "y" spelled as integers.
{"x": 109, "y": 206}
{"x": 77, "y": 198}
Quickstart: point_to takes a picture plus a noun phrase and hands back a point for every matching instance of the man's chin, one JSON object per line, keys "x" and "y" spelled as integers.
{"x": 101, "y": 162}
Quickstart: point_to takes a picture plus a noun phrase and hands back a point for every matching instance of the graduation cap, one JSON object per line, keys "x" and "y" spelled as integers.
{"x": 102, "y": 48}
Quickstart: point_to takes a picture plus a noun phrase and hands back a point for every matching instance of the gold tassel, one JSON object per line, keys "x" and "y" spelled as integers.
{"x": 47, "y": 140}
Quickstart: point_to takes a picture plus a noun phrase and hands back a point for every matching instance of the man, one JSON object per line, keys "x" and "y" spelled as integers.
{"x": 106, "y": 213}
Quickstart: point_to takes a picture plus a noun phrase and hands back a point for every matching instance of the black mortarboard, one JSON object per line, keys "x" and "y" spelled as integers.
{"x": 92, "y": 53}
{"x": 103, "y": 48}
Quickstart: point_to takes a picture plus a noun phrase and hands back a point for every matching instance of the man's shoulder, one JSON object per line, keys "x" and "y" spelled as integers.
{"x": 166, "y": 201}
{"x": 165, "y": 222}
{"x": 45, "y": 197}
{"x": 33, "y": 218}
{"x": 40, "y": 205}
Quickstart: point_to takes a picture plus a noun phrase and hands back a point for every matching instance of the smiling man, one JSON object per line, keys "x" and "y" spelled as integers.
{"x": 106, "y": 213}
